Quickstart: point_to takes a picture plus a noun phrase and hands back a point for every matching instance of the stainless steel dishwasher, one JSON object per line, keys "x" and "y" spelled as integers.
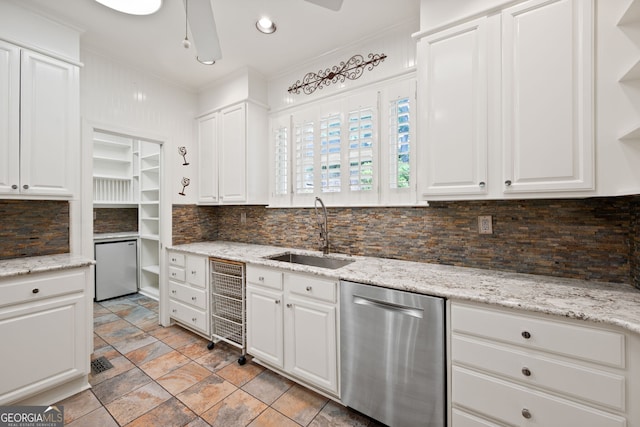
{"x": 393, "y": 355}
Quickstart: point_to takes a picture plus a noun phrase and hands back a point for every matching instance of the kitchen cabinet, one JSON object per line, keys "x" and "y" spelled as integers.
{"x": 507, "y": 104}
{"x": 508, "y": 368}
{"x": 292, "y": 325}
{"x": 44, "y": 325}
{"x": 188, "y": 291}
{"x": 232, "y": 147}
{"x": 39, "y": 140}
{"x": 454, "y": 82}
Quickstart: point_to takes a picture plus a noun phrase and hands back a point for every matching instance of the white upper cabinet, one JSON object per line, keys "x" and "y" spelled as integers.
{"x": 453, "y": 94}
{"x": 41, "y": 160}
{"x": 547, "y": 95}
{"x": 233, "y": 148}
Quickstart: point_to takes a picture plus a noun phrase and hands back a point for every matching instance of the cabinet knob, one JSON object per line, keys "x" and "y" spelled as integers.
{"x": 193, "y": 272}
{"x": 26, "y": 186}
{"x": 194, "y": 320}
{"x": 289, "y": 305}
{"x": 526, "y": 413}
{"x": 507, "y": 183}
{"x": 308, "y": 288}
{"x": 35, "y": 290}
{"x": 173, "y": 291}
{"x": 14, "y": 187}
{"x": 526, "y": 372}
{"x": 193, "y": 298}
{"x": 174, "y": 311}
{"x": 482, "y": 184}
{"x": 277, "y": 301}
{"x": 526, "y": 335}
{"x": 261, "y": 279}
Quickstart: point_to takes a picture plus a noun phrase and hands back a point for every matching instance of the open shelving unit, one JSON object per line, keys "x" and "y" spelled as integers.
{"x": 149, "y": 217}
{"x": 113, "y": 170}
{"x": 631, "y": 77}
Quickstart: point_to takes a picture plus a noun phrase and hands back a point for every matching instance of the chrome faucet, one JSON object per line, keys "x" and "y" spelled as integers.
{"x": 322, "y": 224}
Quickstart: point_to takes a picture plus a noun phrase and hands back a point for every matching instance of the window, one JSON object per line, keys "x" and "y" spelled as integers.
{"x": 361, "y": 146}
{"x": 281, "y": 141}
{"x": 399, "y": 143}
{"x": 305, "y": 154}
{"x": 330, "y": 148}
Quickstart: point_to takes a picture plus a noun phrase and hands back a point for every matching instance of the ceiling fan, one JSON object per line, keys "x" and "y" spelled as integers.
{"x": 199, "y": 14}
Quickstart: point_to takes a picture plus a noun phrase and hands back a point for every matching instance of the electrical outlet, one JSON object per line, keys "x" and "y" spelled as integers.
{"x": 243, "y": 217}
{"x": 485, "y": 225}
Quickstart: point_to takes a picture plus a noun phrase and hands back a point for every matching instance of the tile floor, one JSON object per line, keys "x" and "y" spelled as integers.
{"x": 167, "y": 377}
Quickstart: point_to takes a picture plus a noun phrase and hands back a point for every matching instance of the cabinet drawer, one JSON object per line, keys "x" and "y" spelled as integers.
{"x": 267, "y": 277}
{"x": 189, "y": 315}
{"x": 311, "y": 287}
{"x": 462, "y": 419}
{"x": 176, "y": 259}
{"x": 581, "y": 342}
{"x": 35, "y": 287}
{"x": 556, "y": 375}
{"x": 188, "y": 295}
{"x": 516, "y": 405}
{"x": 176, "y": 273}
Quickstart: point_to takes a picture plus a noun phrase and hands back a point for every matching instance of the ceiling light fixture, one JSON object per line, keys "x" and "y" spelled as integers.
{"x": 204, "y": 32}
{"x": 266, "y": 25}
{"x": 139, "y": 7}
{"x": 186, "y": 43}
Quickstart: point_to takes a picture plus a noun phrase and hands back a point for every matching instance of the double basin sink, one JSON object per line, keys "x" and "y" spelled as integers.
{"x": 311, "y": 260}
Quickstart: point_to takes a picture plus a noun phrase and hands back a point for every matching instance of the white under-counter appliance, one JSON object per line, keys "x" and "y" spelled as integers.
{"x": 116, "y": 267}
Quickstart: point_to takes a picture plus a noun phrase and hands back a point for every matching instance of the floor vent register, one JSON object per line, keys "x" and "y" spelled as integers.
{"x": 100, "y": 364}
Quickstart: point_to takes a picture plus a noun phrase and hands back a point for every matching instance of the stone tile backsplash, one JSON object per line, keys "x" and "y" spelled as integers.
{"x": 591, "y": 239}
{"x": 115, "y": 220}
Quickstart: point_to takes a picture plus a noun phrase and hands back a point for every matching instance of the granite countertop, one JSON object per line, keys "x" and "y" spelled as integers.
{"x": 608, "y": 303}
{"x": 40, "y": 264}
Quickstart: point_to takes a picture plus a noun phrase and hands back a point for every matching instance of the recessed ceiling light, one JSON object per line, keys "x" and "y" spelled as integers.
{"x": 266, "y": 25}
{"x": 206, "y": 62}
{"x": 138, "y": 7}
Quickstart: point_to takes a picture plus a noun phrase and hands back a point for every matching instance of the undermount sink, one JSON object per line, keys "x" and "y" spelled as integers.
{"x": 312, "y": 260}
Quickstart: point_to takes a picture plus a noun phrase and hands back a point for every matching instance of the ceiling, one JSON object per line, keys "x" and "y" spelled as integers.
{"x": 154, "y": 43}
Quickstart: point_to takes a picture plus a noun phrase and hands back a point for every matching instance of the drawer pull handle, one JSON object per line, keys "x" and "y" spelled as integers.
{"x": 526, "y": 413}
{"x": 194, "y": 320}
{"x": 193, "y": 298}
{"x": 193, "y": 272}
{"x": 174, "y": 291}
{"x": 174, "y": 310}
{"x": 35, "y": 290}
{"x": 261, "y": 279}
{"x": 526, "y": 335}
{"x": 277, "y": 301}
{"x": 308, "y": 288}
{"x": 526, "y": 372}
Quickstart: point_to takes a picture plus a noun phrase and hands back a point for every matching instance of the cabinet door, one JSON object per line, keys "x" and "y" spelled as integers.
{"x": 311, "y": 343}
{"x": 208, "y": 159}
{"x": 197, "y": 271}
{"x": 547, "y": 72}
{"x": 454, "y": 85}
{"x": 9, "y": 118}
{"x": 46, "y": 346}
{"x": 233, "y": 152}
{"x": 264, "y": 326}
{"x": 49, "y": 114}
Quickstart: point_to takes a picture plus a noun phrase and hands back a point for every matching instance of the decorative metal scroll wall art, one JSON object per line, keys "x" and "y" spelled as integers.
{"x": 352, "y": 69}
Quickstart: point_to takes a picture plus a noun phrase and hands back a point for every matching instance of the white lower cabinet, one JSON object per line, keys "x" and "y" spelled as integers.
{"x": 509, "y": 368}
{"x": 44, "y": 332}
{"x": 292, "y": 325}
{"x": 188, "y": 291}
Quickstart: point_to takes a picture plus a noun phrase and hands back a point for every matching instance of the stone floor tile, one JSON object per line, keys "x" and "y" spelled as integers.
{"x": 164, "y": 364}
{"x": 99, "y": 310}
{"x": 273, "y": 418}
{"x": 139, "y": 314}
{"x": 78, "y": 405}
{"x": 206, "y": 393}
{"x": 147, "y": 353}
{"x": 116, "y": 387}
{"x": 116, "y": 331}
{"x": 180, "y": 339}
{"x": 107, "y": 351}
{"x": 163, "y": 332}
{"x": 239, "y": 375}
{"x": 335, "y": 415}
{"x": 98, "y": 342}
{"x": 268, "y": 386}
{"x": 219, "y": 357}
{"x": 195, "y": 350}
{"x": 171, "y": 413}
{"x": 105, "y": 318}
{"x": 184, "y": 377}
{"x": 150, "y": 324}
{"x": 300, "y": 404}
{"x": 132, "y": 343}
{"x": 118, "y": 305}
{"x": 120, "y": 364}
{"x": 137, "y": 403}
{"x": 198, "y": 422}
{"x": 237, "y": 410}
{"x": 97, "y": 418}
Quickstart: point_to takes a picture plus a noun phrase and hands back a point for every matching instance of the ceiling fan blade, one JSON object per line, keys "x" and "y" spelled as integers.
{"x": 329, "y": 4}
{"x": 203, "y": 30}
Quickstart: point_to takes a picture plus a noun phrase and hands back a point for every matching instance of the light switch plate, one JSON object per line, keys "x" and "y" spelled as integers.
{"x": 485, "y": 225}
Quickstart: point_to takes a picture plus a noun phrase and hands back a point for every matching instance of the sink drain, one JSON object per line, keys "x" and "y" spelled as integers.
{"x": 100, "y": 364}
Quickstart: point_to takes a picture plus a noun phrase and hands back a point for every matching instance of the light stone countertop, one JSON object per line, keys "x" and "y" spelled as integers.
{"x": 608, "y": 303}
{"x": 40, "y": 264}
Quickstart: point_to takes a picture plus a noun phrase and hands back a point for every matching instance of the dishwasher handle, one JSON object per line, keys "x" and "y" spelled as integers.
{"x": 389, "y": 306}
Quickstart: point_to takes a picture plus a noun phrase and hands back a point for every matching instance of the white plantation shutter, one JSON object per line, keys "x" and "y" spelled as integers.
{"x": 399, "y": 143}
{"x": 281, "y": 154}
{"x": 361, "y": 149}
{"x": 304, "y": 157}
{"x": 330, "y": 153}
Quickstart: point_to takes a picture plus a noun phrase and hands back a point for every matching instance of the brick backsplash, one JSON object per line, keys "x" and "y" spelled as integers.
{"x": 115, "y": 220}
{"x": 33, "y": 228}
{"x": 591, "y": 239}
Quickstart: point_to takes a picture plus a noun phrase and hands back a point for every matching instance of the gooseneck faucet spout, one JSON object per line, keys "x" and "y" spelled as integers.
{"x": 322, "y": 225}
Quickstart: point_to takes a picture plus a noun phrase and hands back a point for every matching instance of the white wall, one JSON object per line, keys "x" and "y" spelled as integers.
{"x": 436, "y": 13}
{"x": 119, "y": 98}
